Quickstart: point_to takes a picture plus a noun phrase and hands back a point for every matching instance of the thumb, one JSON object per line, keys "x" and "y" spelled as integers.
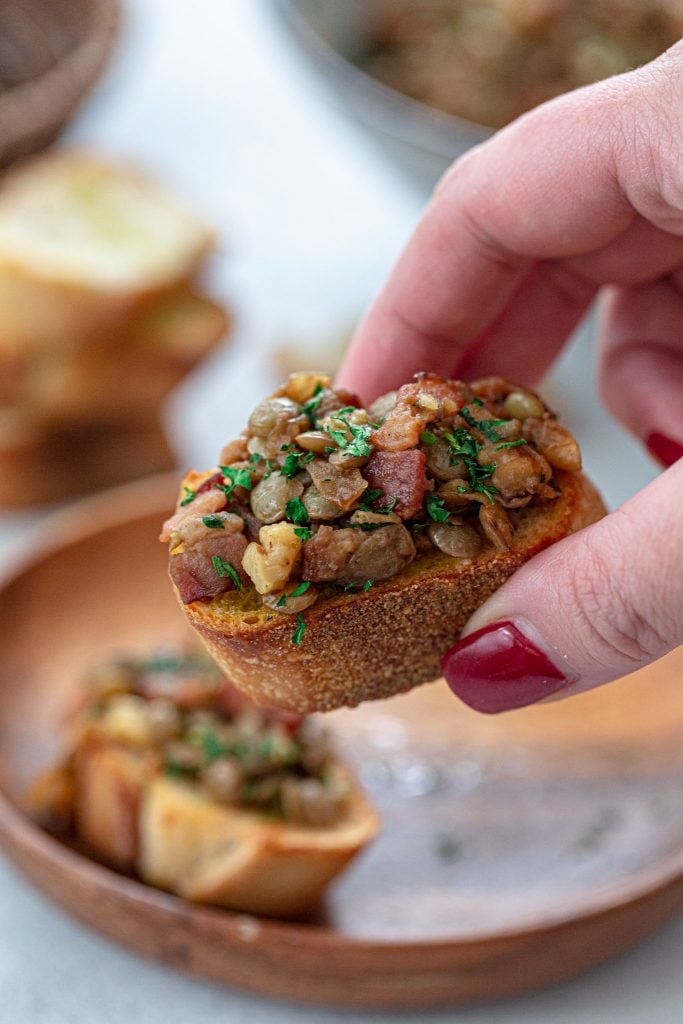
{"x": 596, "y": 606}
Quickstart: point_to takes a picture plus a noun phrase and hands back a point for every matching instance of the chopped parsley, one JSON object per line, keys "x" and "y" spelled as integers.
{"x": 370, "y": 495}
{"x": 510, "y": 444}
{"x": 211, "y": 745}
{"x": 464, "y": 448}
{"x": 359, "y": 446}
{"x": 338, "y": 436}
{"x": 428, "y": 438}
{"x": 436, "y": 509}
{"x": 226, "y": 569}
{"x": 255, "y": 458}
{"x": 236, "y": 478}
{"x": 297, "y": 592}
{"x": 295, "y": 511}
{"x": 487, "y": 427}
{"x": 356, "y": 583}
{"x": 310, "y": 407}
{"x": 303, "y": 532}
{"x": 213, "y": 522}
{"x": 294, "y": 461}
{"x": 298, "y": 634}
{"x": 189, "y": 496}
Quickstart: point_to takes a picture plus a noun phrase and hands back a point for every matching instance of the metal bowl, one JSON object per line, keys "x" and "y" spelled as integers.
{"x": 51, "y": 53}
{"x": 421, "y": 140}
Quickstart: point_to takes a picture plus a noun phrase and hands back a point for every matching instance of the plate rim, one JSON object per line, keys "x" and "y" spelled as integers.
{"x": 68, "y": 526}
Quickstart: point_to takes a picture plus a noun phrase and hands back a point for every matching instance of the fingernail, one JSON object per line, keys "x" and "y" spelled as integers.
{"x": 664, "y": 449}
{"x": 500, "y": 667}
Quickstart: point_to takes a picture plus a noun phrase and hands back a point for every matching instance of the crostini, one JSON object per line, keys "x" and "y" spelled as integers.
{"x": 335, "y": 552}
{"x": 171, "y": 774}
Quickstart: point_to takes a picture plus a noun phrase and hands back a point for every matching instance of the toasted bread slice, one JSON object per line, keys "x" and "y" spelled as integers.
{"x": 83, "y": 242}
{"x": 108, "y": 787}
{"x": 230, "y": 857}
{"x": 371, "y": 645}
{"x": 126, "y": 378}
{"x": 39, "y": 465}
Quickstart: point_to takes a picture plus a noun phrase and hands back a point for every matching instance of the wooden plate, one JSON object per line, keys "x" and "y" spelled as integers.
{"x": 516, "y": 851}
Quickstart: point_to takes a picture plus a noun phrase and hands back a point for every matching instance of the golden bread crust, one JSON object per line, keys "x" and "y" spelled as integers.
{"x": 229, "y": 857}
{"x": 367, "y": 646}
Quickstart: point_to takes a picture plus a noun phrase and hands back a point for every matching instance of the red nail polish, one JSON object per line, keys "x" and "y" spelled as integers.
{"x": 664, "y": 449}
{"x": 499, "y": 668}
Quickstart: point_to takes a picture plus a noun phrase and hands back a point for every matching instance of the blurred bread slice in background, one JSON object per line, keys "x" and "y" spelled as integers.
{"x": 85, "y": 243}
{"x": 128, "y": 378}
{"x": 102, "y": 315}
{"x": 39, "y": 466}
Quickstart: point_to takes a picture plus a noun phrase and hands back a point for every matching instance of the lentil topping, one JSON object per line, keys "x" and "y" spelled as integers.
{"x": 180, "y": 708}
{"x": 320, "y": 494}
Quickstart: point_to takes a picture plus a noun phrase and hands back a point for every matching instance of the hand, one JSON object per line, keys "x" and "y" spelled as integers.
{"x": 582, "y": 196}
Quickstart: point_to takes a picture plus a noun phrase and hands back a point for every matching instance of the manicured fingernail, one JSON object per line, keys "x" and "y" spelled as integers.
{"x": 500, "y": 667}
{"x": 664, "y": 449}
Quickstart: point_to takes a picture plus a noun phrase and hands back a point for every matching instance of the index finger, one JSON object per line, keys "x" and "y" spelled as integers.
{"x": 563, "y": 181}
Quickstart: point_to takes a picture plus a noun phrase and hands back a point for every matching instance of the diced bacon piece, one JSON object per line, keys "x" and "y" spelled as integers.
{"x": 423, "y": 401}
{"x": 194, "y": 573}
{"x": 400, "y": 476}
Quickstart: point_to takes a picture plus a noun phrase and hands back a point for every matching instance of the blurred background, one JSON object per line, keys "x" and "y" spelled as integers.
{"x": 305, "y": 138}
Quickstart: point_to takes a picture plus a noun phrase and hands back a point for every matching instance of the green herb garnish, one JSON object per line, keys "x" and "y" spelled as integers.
{"x": 370, "y": 495}
{"x": 237, "y": 478}
{"x": 297, "y": 592}
{"x": 346, "y": 587}
{"x": 213, "y": 522}
{"x": 303, "y": 532}
{"x": 510, "y": 444}
{"x": 389, "y": 508}
{"x": 298, "y": 634}
{"x": 436, "y": 509}
{"x": 295, "y": 511}
{"x": 294, "y": 461}
{"x": 211, "y": 745}
{"x": 226, "y": 569}
{"x": 465, "y": 448}
{"x": 189, "y": 496}
{"x": 358, "y": 447}
{"x": 310, "y": 407}
{"x": 487, "y": 427}
{"x": 428, "y": 438}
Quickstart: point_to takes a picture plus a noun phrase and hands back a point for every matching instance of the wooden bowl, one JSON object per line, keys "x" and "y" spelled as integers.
{"x": 516, "y": 851}
{"x": 51, "y": 52}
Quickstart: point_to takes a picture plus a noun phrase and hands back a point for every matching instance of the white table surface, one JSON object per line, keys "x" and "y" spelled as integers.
{"x": 207, "y": 93}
